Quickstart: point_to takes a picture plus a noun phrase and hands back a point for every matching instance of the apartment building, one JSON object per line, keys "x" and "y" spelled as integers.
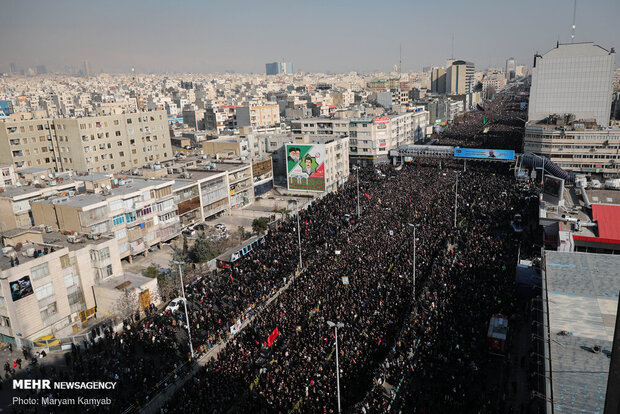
{"x": 47, "y": 279}
{"x": 108, "y": 143}
{"x": 15, "y": 208}
{"x": 371, "y": 138}
{"x": 139, "y": 213}
{"x": 578, "y": 146}
{"x": 257, "y": 116}
{"x": 317, "y": 163}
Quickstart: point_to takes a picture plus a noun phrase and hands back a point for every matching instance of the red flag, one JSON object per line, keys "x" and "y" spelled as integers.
{"x": 366, "y": 194}
{"x": 231, "y": 278}
{"x": 273, "y": 336}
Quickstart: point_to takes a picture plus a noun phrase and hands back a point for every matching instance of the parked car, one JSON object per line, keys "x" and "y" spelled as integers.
{"x": 175, "y": 305}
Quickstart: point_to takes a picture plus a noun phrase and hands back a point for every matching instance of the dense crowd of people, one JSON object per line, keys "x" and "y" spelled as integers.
{"x": 499, "y": 126}
{"x": 464, "y": 275}
{"x": 402, "y": 338}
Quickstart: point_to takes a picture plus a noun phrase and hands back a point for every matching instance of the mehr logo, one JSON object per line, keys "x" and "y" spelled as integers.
{"x": 32, "y": 384}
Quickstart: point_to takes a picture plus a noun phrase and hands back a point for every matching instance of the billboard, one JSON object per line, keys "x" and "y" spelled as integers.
{"x": 553, "y": 186}
{"x": 21, "y": 288}
{"x": 489, "y": 154}
{"x": 305, "y": 167}
{"x": 379, "y": 120}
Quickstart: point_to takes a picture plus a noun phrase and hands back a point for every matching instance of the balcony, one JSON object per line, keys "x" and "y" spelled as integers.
{"x": 138, "y": 248}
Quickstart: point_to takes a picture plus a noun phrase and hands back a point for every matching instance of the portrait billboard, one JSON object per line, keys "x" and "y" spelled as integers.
{"x": 305, "y": 167}
{"x": 21, "y": 288}
{"x": 489, "y": 154}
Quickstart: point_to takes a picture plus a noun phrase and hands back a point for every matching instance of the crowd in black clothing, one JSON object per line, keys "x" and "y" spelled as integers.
{"x": 498, "y": 126}
{"x": 463, "y": 276}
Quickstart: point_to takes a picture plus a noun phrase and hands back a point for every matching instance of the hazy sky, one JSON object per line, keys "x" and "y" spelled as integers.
{"x": 316, "y": 35}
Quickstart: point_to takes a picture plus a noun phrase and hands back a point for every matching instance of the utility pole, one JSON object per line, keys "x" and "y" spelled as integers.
{"x": 189, "y": 332}
{"x": 456, "y": 195}
{"x": 301, "y": 265}
{"x": 336, "y": 326}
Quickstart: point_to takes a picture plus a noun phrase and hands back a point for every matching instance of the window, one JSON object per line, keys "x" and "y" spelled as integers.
{"x": 74, "y": 298}
{"x": 44, "y": 291}
{"x": 39, "y": 271}
{"x": 65, "y": 261}
{"x": 70, "y": 280}
{"x": 119, "y": 219}
{"x": 2, "y": 302}
{"x": 48, "y": 311}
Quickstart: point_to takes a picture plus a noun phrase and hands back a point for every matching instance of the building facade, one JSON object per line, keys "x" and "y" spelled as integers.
{"x": 575, "y": 147}
{"x": 574, "y": 78}
{"x": 47, "y": 279}
{"x": 110, "y": 143}
{"x": 460, "y": 78}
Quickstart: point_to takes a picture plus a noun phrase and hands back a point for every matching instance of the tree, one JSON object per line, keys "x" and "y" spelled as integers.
{"x": 259, "y": 225}
{"x": 151, "y": 272}
{"x": 203, "y": 250}
{"x": 185, "y": 248}
{"x": 241, "y": 233}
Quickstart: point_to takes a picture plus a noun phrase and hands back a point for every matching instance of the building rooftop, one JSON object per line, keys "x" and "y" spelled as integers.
{"x": 32, "y": 190}
{"x": 582, "y": 300}
{"x": 53, "y": 241}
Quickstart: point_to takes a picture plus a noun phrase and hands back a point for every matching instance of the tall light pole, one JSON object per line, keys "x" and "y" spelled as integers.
{"x": 189, "y": 332}
{"x": 299, "y": 236}
{"x": 414, "y": 254}
{"x": 357, "y": 173}
{"x": 456, "y": 195}
{"x": 336, "y": 326}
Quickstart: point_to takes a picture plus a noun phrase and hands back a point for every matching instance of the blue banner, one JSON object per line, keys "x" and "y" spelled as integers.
{"x": 489, "y": 154}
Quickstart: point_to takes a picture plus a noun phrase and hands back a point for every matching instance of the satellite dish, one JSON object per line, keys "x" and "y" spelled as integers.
{"x": 50, "y": 175}
{"x": 108, "y": 187}
{"x": 42, "y": 176}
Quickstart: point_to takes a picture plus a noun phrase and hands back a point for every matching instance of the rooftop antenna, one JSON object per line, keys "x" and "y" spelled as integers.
{"x": 452, "y": 56}
{"x": 572, "y": 36}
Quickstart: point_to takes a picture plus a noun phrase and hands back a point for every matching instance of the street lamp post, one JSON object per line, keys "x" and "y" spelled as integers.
{"x": 336, "y": 326}
{"x": 189, "y": 332}
{"x": 357, "y": 174}
{"x": 414, "y": 257}
{"x": 299, "y": 236}
{"x": 456, "y": 195}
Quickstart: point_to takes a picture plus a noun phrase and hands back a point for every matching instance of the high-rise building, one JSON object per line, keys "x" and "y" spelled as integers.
{"x": 460, "y": 78}
{"x": 272, "y": 68}
{"x": 13, "y": 68}
{"x": 511, "y": 68}
{"x": 438, "y": 80}
{"x": 87, "y": 70}
{"x": 287, "y": 68}
{"x": 41, "y": 70}
{"x": 574, "y": 78}
{"x": 278, "y": 68}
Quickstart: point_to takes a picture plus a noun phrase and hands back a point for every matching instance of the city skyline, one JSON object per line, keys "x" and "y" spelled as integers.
{"x": 244, "y": 39}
